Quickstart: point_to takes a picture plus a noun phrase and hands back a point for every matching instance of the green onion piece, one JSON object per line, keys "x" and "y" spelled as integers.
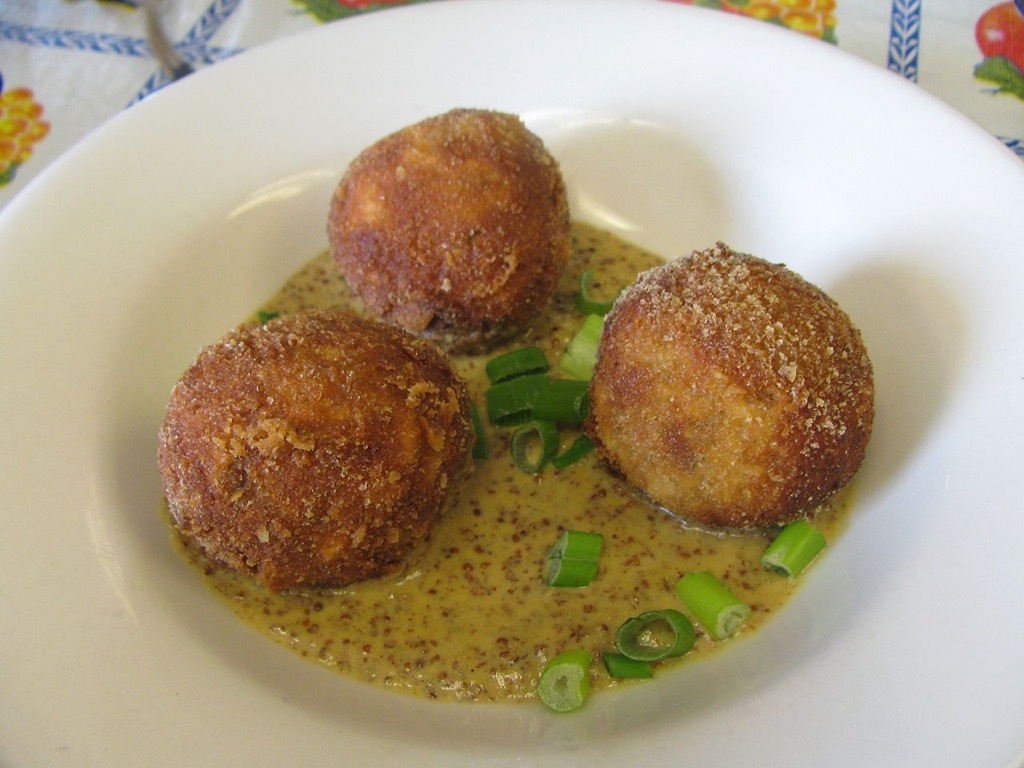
{"x": 534, "y": 445}
{"x": 510, "y": 403}
{"x": 622, "y": 666}
{"x": 717, "y": 609}
{"x": 565, "y": 681}
{"x": 519, "y": 362}
{"x": 578, "y": 545}
{"x": 585, "y": 303}
{"x": 581, "y": 355}
{"x": 793, "y": 549}
{"x": 265, "y": 317}
{"x": 655, "y": 635}
{"x": 572, "y": 561}
{"x": 479, "y": 445}
{"x": 564, "y": 572}
{"x": 581, "y": 446}
{"x": 562, "y": 400}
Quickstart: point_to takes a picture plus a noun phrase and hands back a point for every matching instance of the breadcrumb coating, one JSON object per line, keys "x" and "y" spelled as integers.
{"x": 456, "y": 227}
{"x": 731, "y": 391}
{"x": 317, "y": 449}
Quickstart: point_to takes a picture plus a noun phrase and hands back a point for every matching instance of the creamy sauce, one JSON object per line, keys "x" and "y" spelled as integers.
{"x": 470, "y": 617}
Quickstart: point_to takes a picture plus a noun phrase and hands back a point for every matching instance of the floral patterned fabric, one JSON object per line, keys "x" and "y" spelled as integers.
{"x": 66, "y": 66}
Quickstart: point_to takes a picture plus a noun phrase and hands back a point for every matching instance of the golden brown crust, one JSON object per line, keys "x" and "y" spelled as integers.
{"x": 731, "y": 391}
{"x": 317, "y": 449}
{"x": 455, "y": 227}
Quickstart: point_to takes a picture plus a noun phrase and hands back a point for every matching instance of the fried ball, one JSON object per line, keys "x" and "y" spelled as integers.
{"x": 732, "y": 392}
{"x": 456, "y": 227}
{"x": 316, "y": 450}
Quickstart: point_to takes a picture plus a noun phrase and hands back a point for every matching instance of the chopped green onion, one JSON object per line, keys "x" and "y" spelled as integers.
{"x": 578, "y": 545}
{"x": 585, "y": 303}
{"x": 622, "y": 666}
{"x": 793, "y": 549}
{"x": 534, "y": 445}
{"x": 562, "y": 400}
{"x": 479, "y": 445}
{"x": 581, "y": 446}
{"x": 563, "y": 572}
{"x": 655, "y": 635}
{"x": 581, "y": 355}
{"x": 572, "y": 561}
{"x": 527, "y": 361}
{"x": 511, "y": 402}
{"x": 565, "y": 681}
{"x": 265, "y": 317}
{"x": 717, "y": 609}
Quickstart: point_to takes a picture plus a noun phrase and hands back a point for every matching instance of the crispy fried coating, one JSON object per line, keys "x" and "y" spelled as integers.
{"x": 731, "y": 391}
{"x": 456, "y": 227}
{"x": 316, "y": 450}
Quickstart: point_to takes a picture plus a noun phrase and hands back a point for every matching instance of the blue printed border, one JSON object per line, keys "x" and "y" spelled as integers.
{"x": 1014, "y": 145}
{"x": 905, "y": 37}
{"x": 194, "y": 47}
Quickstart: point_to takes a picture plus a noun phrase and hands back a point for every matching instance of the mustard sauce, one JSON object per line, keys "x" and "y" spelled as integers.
{"x": 470, "y": 618}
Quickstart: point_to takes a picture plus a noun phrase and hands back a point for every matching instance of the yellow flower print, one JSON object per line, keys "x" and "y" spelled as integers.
{"x": 811, "y": 17}
{"x": 21, "y": 128}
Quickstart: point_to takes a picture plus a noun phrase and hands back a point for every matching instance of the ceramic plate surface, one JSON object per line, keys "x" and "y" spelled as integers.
{"x": 675, "y": 127}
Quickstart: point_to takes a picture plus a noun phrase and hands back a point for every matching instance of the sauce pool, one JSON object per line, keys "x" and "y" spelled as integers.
{"x": 470, "y": 618}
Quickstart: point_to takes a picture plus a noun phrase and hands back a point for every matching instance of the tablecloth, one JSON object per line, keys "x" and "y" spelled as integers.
{"x": 67, "y": 66}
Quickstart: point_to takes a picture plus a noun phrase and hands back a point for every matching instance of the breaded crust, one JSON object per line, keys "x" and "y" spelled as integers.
{"x": 456, "y": 227}
{"x": 731, "y": 391}
{"x": 315, "y": 450}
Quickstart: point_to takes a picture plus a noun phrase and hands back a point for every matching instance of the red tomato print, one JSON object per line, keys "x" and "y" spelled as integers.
{"x": 1000, "y": 32}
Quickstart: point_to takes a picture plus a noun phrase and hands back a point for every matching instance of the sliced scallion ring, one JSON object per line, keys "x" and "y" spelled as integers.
{"x": 717, "y": 609}
{"x": 580, "y": 356}
{"x": 511, "y": 402}
{"x": 565, "y": 681}
{"x": 534, "y": 445}
{"x": 655, "y": 635}
{"x": 527, "y": 361}
{"x": 793, "y": 549}
{"x": 578, "y": 545}
{"x": 572, "y": 561}
{"x": 585, "y": 303}
{"x": 563, "y": 572}
{"x": 622, "y": 666}
{"x": 563, "y": 401}
{"x": 479, "y": 444}
{"x": 580, "y": 447}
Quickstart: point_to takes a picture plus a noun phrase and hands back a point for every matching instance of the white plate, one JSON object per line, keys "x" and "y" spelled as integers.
{"x": 675, "y": 127}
